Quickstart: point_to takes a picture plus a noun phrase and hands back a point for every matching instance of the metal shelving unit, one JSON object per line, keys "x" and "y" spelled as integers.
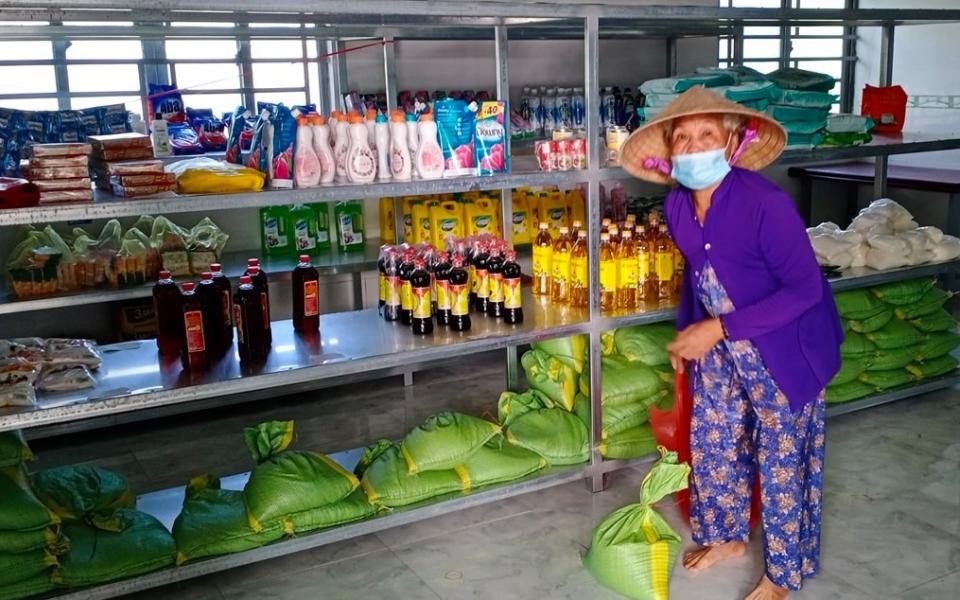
{"x": 358, "y": 343}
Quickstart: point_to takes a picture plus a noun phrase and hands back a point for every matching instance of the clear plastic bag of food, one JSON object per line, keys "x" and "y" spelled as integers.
{"x": 15, "y": 370}
{"x": 65, "y": 378}
{"x": 71, "y": 351}
{"x": 18, "y": 394}
{"x": 205, "y": 244}
{"x": 32, "y": 266}
{"x": 170, "y": 240}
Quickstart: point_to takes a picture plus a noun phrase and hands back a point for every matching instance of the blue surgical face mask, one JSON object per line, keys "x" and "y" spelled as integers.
{"x": 700, "y": 170}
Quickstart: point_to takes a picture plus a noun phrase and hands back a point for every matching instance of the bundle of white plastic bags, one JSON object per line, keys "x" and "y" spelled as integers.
{"x": 882, "y": 236}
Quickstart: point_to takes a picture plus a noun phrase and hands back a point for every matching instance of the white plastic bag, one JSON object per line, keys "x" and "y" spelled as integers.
{"x": 832, "y": 250}
{"x": 871, "y": 222}
{"x": 934, "y": 234}
{"x": 887, "y": 252}
{"x": 947, "y": 249}
{"x": 919, "y": 247}
{"x": 897, "y": 216}
{"x": 858, "y": 254}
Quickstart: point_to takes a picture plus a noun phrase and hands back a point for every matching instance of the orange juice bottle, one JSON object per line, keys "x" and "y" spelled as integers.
{"x": 560, "y": 267}
{"x": 542, "y": 255}
{"x": 608, "y": 274}
{"x": 579, "y": 273}
{"x": 627, "y": 272}
{"x": 646, "y": 278}
{"x": 664, "y": 261}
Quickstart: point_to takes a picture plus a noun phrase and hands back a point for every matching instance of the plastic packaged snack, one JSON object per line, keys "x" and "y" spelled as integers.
{"x": 145, "y": 179}
{"x": 170, "y": 241}
{"x": 65, "y": 378}
{"x": 55, "y": 185}
{"x": 137, "y": 191}
{"x": 17, "y": 369}
{"x": 59, "y": 161}
{"x": 66, "y": 196}
{"x": 17, "y": 193}
{"x": 47, "y": 150}
{"x": 35, "y": 173}
{"x": 119, "y": 141}
{"x": 490, "y": 139}
{"x": 205, "y": 244}
{"x": 69, "y": 351}
{"x": 17, "y": 394}
{"x": 133, "y": 168}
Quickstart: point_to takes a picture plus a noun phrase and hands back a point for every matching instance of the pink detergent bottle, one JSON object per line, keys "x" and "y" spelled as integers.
{"x": 429, "y": 156}
{"x": 361, "y": 162}
{"x": 306, "y": 165}
{"x": 342, "y": 146}
{"x": 321, "y": 146}
{"x": 400, "y": 164}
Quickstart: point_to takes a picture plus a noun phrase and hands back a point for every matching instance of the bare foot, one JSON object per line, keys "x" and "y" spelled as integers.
{"x": 701, "y": 558}
{"x": 767, "y": 590}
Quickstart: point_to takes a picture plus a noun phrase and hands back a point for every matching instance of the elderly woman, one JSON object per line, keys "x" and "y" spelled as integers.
{"x": 757, "y": 329}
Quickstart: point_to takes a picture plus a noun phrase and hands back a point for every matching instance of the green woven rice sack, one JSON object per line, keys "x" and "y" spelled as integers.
{"x": 21, "y": 566}
{"x": 583, "y": 383}
{"x": 885, "y": 380}
{"x": 511, "y": 404}
{"x": 214, "y": 521}
{"x": 445, "y": 440}
{"x": 938, "y": 321}
{"x": 370, "y": 454}
{"x": 608, "y": 346}
{"x": 572, "y": 350}
{"x": 553, "y": 433}
{"x": 634, "y": 548}
{"x": 551, "y": 376}
{"x": 621, "y": 417}
{"x": 896, "y": 334}
{"x": 902, "y": 293}
{"x": 929, "y": 304}
{"x": 141, "y": 545}
{"x": 355, "y": 507}
{"x": 872, "y": 323}
{"x": 632, "y": 443}
{"x": 388, "y": 483}
{"x": 287, "y": 482}
{"x": 851, "y": 368}
{"x": 13, "y": 449}
{"x": 499, "y": 462}
{"x": 625, "y": 381}
{"x": 858, "y": 304}
{"x": 24, "y": 541}
{"x": 934, "y": 367}
{"x": 856, "y": 345}
{"x": 846, "y": 392}
{"x": 583, "y": 410}
{"x": 937, "y": 345}
{"x": 20, "y": 510}
{"x": 887, "y": 360}
{"x": 646, "y": 343}
{"x": 34, "y": 586}
{"x": 76, "y": 491}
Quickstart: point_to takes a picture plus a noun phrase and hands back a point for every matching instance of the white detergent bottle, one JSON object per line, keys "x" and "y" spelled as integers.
{"x": 361, "y": 162}
{"x": 340, "y": 149}
{"x": 429, "y": 156}
{"x": 335, "y": 117}
{"x": 400, "y": 163}
{"x": 321, "y": 145}
{"x": 306, "y": 164}
{"x": 413, "y": 139}
{"x": 371, "y": 124}
{"x": 382, "y": 134}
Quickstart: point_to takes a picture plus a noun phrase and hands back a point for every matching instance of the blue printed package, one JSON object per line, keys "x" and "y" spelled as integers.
{"x": 184, "y": 140}
{"x": 257, "y": 157}
{"x": 284, "y": 138}
{"x": 166, "y": 100}
{"x": 491, "y": 139}
{"x": 238, "y": 123}
{"x": 455, "y": 125}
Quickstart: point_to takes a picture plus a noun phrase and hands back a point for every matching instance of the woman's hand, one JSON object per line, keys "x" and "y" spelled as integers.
{"x": 695, "y": 341}
{"x": 676, "y": 361}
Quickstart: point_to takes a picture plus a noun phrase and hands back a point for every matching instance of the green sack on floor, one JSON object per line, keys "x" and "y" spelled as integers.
{"x": 937, "y": 345}
{"x": 21, "y": 566}
{"x": 632, "y": 443}
{"x": 214, "y": 521}
{"x": 572, "y": 350}
{"x": 583, "y": 410}
{"x": 24, "y": 541}
{"x": 370, "y": 454}
{"x": 851, "y": 368}
{"x": 141, "y": 545}
{"x": 941, "y": 320}
{"x": 624, "y": 381}
{"x": 930, "y": 303}
{"x": 902, "y": 293}
{"x": 20, "y": 510}
{"x": 499, "y": 462}
{"x": 646, "y": 343}
{"x": 512, "y": 404}
{"x": 896, "y": 334}
{"x": 608, "y": 346}
{"x": 287, "y": 482}
{"x": 13, "y": 449}
{"x": 887, "y": 360}
{"x": 621, "y": 417}
{"x": 354, "y": 507}
{"x": 34, "y": 586}
{"x": 846, "y": 392}
{"x": 551, "y": 376}
{"x": 856, "y": 345}
{"x": 885, "y": 380}
{"x": 76, "y": 491}
{"x": 872, "y": 323}
{"x": 553, "y": 433}
{"x": 388, "y": 483}
{"x": 858, "y": 304}
{"x": 634, "y": 548}
{"x": 933, "y": 368}
{"x": 445, "y": 440}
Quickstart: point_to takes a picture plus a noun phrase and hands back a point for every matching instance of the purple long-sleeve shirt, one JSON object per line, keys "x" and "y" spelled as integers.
{"x": 758, "y": 246}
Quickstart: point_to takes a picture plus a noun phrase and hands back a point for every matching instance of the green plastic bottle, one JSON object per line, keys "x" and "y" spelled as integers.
{"x": 323, "y": 225}
{"x": 276, "y": 239}
{"x": 302, "y": 225}
{"x": 349, "y": 216}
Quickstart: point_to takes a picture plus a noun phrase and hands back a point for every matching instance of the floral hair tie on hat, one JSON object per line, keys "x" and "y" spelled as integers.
{"x": 655, "y": 163}
{"x": 750, "y": 135}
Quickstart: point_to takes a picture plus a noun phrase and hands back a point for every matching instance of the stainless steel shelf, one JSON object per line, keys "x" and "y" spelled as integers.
{"x": 862, "y": 277}
{"x": 133, "y": 376}
{"x": 916, "y": 389}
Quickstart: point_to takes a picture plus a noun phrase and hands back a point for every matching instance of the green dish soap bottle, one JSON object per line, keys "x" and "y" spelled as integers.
{"x": 349, "y": 216}
{"x": 324, "y": 238}
{"x": 302, "y": 221}
{"x": 276, "y": 240}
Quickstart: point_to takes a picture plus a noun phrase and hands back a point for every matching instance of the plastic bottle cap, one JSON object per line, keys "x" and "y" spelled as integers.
{"x": 245, "y": 279}
{"x": 352, "y": 113}
{"x": 253, "y": 262}
{"x": 188, "y": 286}
{"x": 216, "y": 267}
{"x": 253, "y": 270}
{"x": 304, "y": 258}
{"x": 426, "y": 116}
{"x": 302, "y": 120}
{"x": 371, "y": 115}
{"x": 564, "y": 231}
{"x": 206, "y": 276}
{"x": 355, "y": 118}
{"x": 411, "y": 117}
{"x": 582, "y": 234}
{"x": 381, "y": 118}
{"x": 319, "y": 120}
{"x": 604, "y": 237}
{"x": 544, "y": 225}
{"x": 164, "y": 274}
{"x": 397, "y": 117}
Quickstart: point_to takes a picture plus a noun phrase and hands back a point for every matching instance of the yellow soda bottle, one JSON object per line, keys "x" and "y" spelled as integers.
{"x": 627, "y": 272}
{"x": 579, "y": 273}
{"x": 560, "y": 266}
{"x": 608, "y": 274}
{"x": 542, "y": 255}
{"x": 664, "y": 261}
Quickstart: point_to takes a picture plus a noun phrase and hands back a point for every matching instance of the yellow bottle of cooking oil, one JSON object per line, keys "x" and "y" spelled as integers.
{"x": 575, "y": 228}
{"x": 679, "y": 264}
{"x": 608, "y": 274}
{"x": 627, "y": 272}
{"x": 553, "y": 210}
{"x": 542, "y": 257}
{"x": 533, "y": 205}
{"x": 664, "y": 261}
{"x": 496, "y": 201}
{"x": 560, "y": 267}
{"x": 445, "y": 220}
{"x": 614, "y": 232}
{"x": 407, "y": 204}
{"x": 522, "y": 225}
{"x": 421, "y": 223}
{"x": 605, "y": 225}
{"x": 646, "y": 277}
{"x": 481, "y": 217}
{"x": 579, "y": 272}
{"x": 388, "y": 226}
{"x": 576, "y": 206}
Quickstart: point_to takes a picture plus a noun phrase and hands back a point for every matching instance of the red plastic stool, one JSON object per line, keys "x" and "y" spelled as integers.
{"x": 671, "y": 428}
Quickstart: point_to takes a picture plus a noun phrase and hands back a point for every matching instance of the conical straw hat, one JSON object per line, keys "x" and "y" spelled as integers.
{"x": 650, "y": 142}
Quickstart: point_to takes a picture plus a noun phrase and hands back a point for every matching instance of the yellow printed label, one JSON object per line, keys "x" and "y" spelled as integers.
{"x": 472, "y": 278}
{"x": 422, "y": 303}
{"x": 643, "y": 264}
{"x": 443, "y": 294}
{"x": 482, "y": 283}
{"x": 665, "y": 266}
{"x": 678, "y": 262}
{"x": 383, "y": 287}
{"x": 608, "y": 276}
{"x": 392, "y": 290}
{"x": 512, "y": 293}
{"x": 561, "y": 267}
{"x": 627, "y": 273}
{"x": 406, "y": 295}
{"x": 495, "y": 287}
{"x": 578, "y": 272}
{"x": 542, "y": 256}
{"x": 461, "y": 300}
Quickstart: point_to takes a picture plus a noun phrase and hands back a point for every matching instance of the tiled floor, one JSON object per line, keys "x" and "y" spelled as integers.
{"x": 891, "y": 526}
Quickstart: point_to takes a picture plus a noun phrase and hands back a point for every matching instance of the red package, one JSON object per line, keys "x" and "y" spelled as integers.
{"x": 66, "y": 196}
{"x": 53, "y": 185}
{"x": 120, "y": 140}
{"x": 17, "y": 193}
{"x": 147, "y": 179}
{"x": 134, "y": 153}
{"x": 887, "y": 106}
{"x": 56, "y": 173}
{"x": 59, "y": 161}
{"x": 545, "y": 157}
{"x": 136, "y": 191}
{"x": 47, "y": 150}
{"x": 139, "y": 167}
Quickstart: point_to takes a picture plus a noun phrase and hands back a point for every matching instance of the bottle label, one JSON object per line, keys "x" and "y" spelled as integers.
{"x": 608, "y": 276}
{"x": 382, "y": 285}
{"x": 301, "y": 233}
{"x": 265, "y": 306}
{"x": 472, "y": 281}
{"x": 541, "y": 261}
{"x": 406, "y": 295}
{"x": 225, "y": 298}
{"x": 422, "y": 303}
{"x": 495, "y": 284}
{"x": 665, "y": 266}
{"x": 311, "y": 303}
{"x": 193, "y": 327}
{"x": 678, "y": 262}
{"x": 578, "y": 272}
{"x": 393, "y": 291}
{"x": 364, "y": 165}
{"x": 483, "y": 283}
{"x": 460, "y": 294}
{"x": 238, "y": 317}
{"x": 512, "y": 297}
{"x": 271, "y": 229}
{"x": 443, "y": 295}
{"x": 627, "y": 272}
{"x": 396, "y": 162}
{"x": 561, "y": 268}
{"x": 643, "y": 267}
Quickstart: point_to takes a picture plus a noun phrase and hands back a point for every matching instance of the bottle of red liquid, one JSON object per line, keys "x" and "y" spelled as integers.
{"x": 248, "y": 315}
{"x": 223, "y": 285}
{"x": 392, "y": 286}
{"x": 406, "y": 289}
{"x": 421, "y": 318}
{"x": 481, "y": 280}
{"x": 166, "y": 307}
{"x": 193, "y": 350}
{"x": 259, "y": 279}
{"x": 512, "y": 295}
{"x": 495, "y": 282}
{"x": 442, "y": 274}
{"x": 459, "y": 296}
{"x": 211, "y": 302}
{"x": 306, "y": 297}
